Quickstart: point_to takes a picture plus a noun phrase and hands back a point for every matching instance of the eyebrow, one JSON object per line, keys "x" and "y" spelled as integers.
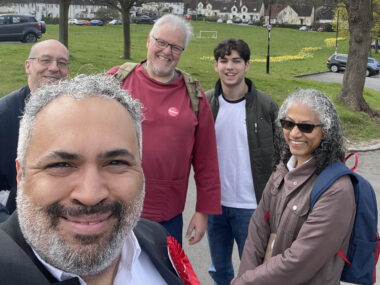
{"x": 117, "y": 153}
{"x": 62, "y": 155}
{"x": 73, "y": 156}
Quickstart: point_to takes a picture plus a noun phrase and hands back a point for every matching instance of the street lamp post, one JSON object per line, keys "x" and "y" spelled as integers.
{"x": 269, "y": 27}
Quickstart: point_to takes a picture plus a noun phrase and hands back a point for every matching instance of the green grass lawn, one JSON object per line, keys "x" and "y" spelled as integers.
{"x": 96, "y": 49}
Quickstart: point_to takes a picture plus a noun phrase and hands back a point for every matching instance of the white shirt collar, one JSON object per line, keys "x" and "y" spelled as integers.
{"x": 292, "y": 162}
{"x": 130, "y": 252}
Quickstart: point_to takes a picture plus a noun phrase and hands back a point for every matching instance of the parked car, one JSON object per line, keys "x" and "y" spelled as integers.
{"x": 337, "y": 62}
{"x": 250, "y": 22}
{"x": 373, "y": 45}
{"x": 86, "y": 23}
{"x": 245, "y": 21}
{"x": 304, "y": 28}
{"x": 238, "y": 21}
{"x": 115, "y": 22}
{"x": 188, "y": 17}
{"x": 73, "y": 22}
{"x": 23, "y": 28}
{"x": 144, "y": 20}
{"x": 96, "y": 23}
{"x": 320, "y": 29}
{"x": 219, "y": 21}
{"x": 229, "y": 21}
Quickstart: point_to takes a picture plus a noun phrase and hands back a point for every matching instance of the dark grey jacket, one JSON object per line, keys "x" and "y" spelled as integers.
{"x": 261, "y": 113}
{"x": 20, "y": 266}
{"x": 11, "y": 110}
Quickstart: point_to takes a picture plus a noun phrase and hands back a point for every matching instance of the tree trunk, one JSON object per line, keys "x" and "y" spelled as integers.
{"x": 360, "y": 22}
{"x": 126, "y": 34}
{"x": 64, "y": 6}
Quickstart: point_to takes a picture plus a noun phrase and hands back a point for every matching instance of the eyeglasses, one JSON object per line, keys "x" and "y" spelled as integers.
{"x": 303, "y": 127}
{"x": 46, "y": 61}
{"x": 163, "y": 44}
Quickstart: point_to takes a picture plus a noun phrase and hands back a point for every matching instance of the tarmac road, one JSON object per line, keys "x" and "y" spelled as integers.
{"x": 372, "y": 82}
{"x": 198, "y": 254}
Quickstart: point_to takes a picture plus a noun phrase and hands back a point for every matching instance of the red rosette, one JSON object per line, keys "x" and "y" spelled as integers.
{"x": 181, "y": 263}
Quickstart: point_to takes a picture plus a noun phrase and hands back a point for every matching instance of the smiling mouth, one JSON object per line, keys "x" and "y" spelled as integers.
{"x": 87, "y": 224}
{"x": 161, "y": 57}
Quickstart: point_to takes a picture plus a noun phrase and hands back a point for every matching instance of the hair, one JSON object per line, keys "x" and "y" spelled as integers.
{"x": 80, "y": 87}
{"x": 175, "y": 22}
{"x": 225, "y": 47}
{"x": 331, "y": 147}
{"x": 36, "y": 45}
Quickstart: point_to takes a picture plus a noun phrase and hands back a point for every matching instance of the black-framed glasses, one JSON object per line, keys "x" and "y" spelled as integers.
{"x": 46, "y": 61}
{"x": 163, "y": 44}
{"x": 303, "y": 127}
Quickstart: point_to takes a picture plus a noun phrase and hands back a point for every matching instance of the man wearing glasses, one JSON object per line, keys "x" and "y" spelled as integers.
{"x": 48, "y": 62}
{"x": 177, "y": 131}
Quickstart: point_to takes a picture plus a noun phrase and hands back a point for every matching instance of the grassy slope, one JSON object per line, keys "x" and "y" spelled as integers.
{"x": 96, "y": 49}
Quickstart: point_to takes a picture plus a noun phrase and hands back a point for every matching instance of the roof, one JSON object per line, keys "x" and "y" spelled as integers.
{"x": 275, "y": 9}
{"x": 303, "y": 11}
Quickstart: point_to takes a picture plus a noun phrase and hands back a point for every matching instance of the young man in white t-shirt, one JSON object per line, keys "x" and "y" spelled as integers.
{"x": 244, "y": 125}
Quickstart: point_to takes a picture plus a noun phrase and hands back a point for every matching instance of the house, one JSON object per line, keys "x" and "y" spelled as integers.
{"x": 160, "y": 7}
{"x": 290, "y": 14}
{"x": 85, "y": 9}
{"x": 245, "y": 9}
{"x": 39, "y": 8}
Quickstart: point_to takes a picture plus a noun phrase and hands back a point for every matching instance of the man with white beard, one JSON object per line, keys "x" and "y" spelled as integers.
{"x": 81, "y": 191}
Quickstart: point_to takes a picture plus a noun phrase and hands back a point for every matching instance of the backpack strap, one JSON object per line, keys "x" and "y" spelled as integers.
{"x": 193, "y": 89}
{"x": 326, "y": 178}
{"x": 192, "y": 85}
{"x": 125, "y": 70}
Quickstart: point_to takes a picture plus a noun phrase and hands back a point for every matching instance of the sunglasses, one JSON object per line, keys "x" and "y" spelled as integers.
{"x": 303, "y": 127}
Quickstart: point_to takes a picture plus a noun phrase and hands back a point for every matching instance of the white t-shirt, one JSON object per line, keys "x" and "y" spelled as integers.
{"x": 233, "y": 155}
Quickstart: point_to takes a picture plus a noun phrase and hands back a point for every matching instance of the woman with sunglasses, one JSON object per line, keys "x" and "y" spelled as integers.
{"x": 286, "y": 244}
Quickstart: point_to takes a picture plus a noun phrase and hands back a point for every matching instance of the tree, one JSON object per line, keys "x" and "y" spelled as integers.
{"x": 107, "y": 14}
{"x": 64, "y": 6}
{"x": 360, "y": 20}
{"x": 124, "y": 7}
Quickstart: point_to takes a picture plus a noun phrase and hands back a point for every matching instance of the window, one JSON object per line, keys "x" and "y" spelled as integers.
{"x": 16, "y": 19}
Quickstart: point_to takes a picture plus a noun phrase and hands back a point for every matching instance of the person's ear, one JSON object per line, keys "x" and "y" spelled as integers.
{"x": 19, "y": 173}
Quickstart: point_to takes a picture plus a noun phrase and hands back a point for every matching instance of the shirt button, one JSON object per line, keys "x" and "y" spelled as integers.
{"x": 294, "y": 207}
{"x": 294, "y": 183}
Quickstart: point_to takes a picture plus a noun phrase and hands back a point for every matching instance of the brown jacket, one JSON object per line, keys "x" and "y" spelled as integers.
{"x": 304, "y": 251}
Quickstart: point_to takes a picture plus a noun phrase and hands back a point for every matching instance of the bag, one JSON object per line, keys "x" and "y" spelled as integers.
{"x": 364, "y": 247}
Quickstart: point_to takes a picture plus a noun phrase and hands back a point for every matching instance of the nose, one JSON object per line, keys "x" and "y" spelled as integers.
{"x": 168, "y": 49}
{"x": 53, "y": 66}
{"x": 295, "y": 132}
{"x": 91, "y": 188}
{"x": 229, "y": 64}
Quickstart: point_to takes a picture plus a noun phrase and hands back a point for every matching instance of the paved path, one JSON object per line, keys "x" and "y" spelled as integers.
{"x": 372, "y": 82}
{"x": 369, "y": 167}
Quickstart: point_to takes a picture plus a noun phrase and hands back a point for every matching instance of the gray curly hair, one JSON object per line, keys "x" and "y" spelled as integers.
{"x": 175, "y": 22}
{"x": 331, "y": 148}
{"x": 79, "y": 87}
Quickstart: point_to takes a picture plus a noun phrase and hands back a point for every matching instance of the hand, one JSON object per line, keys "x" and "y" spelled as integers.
{"x": 232, "y": 281}
{"x": 197, "y": 228}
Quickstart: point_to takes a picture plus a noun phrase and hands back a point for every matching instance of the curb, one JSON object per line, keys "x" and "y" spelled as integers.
{"x": 307, "y": 74}
{"x": 365, "y": 146}
{"x": 362, "y": 149}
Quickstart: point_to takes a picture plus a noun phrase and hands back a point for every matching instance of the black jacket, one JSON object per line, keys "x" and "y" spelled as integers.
{"x": 261, "y": 113}
{"x": 19, "y": 265}
{"x": 11, "y": 110}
